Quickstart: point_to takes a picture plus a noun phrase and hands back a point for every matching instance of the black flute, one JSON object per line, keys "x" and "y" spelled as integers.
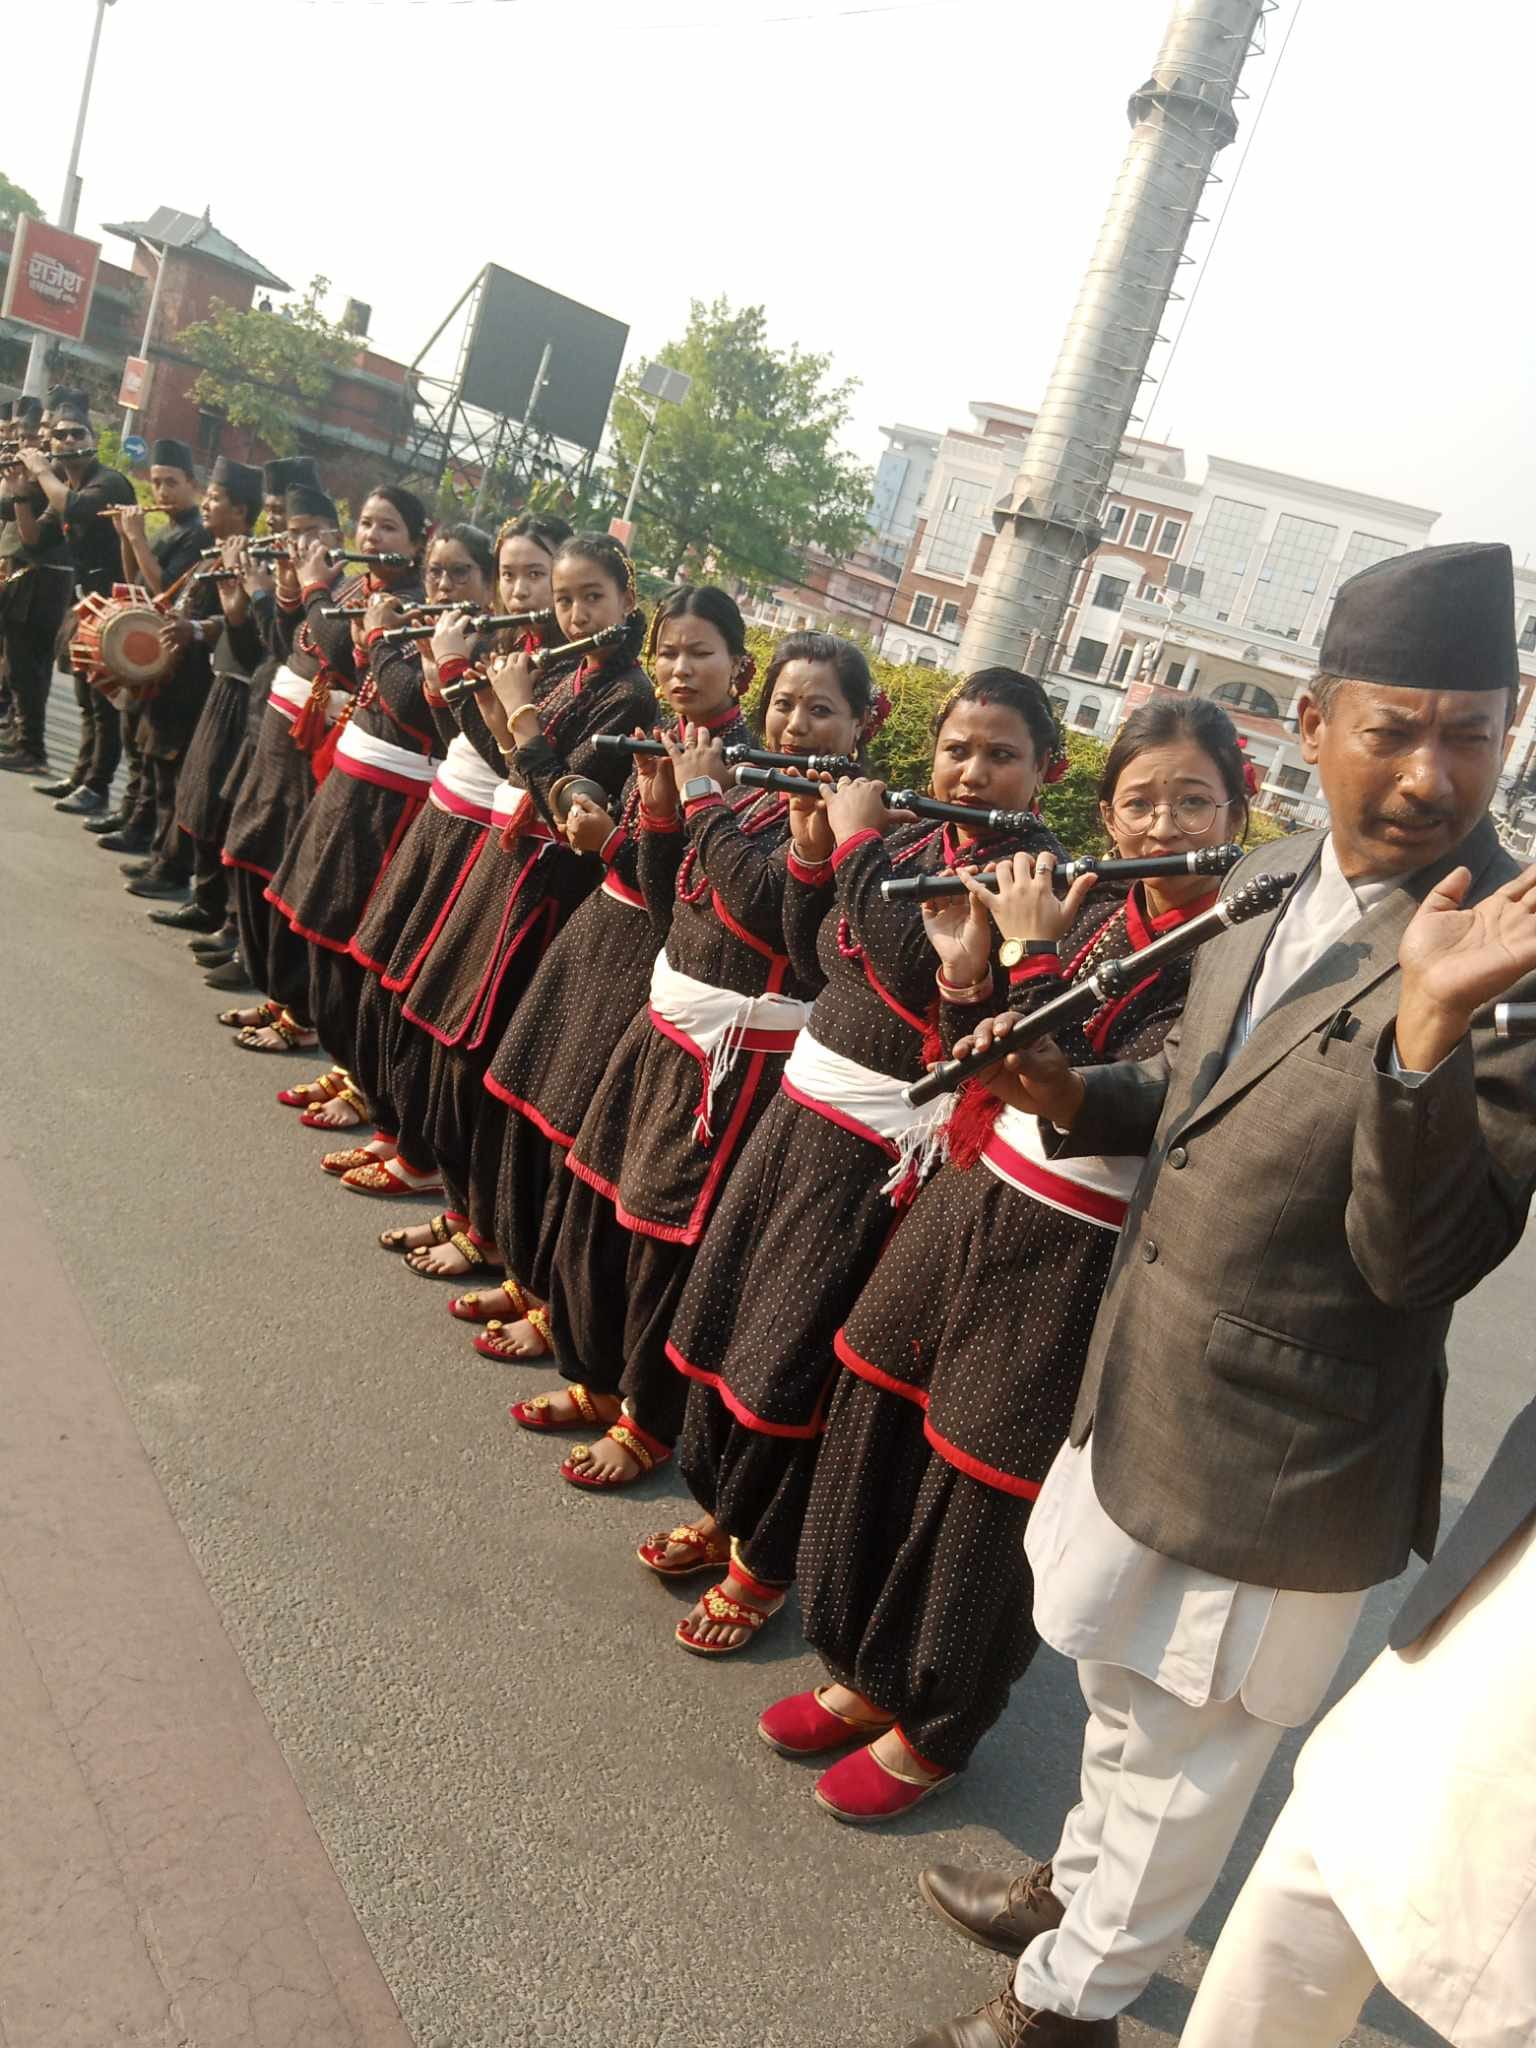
{"x": 480, "y": 622}
{"x": 901, "y": 800}
{"x": 1514, "y": 1020}
{"x": 1115, "y": 978}
{"x": 610, "y": 636}
{"x": 758, "y": 757}
{"x": 1205, "y": 860}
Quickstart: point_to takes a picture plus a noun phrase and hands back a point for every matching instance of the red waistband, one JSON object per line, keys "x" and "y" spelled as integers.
{"x": 1029, "y": 1177}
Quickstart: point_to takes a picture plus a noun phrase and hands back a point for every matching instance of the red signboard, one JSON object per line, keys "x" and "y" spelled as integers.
{"x": 51, "y": 278}
{"x": 134, "y": 389}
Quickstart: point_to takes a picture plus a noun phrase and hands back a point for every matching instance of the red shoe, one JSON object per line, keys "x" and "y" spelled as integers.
{"x": 804, "y": 1725}
{"x": 863, "y": 1791}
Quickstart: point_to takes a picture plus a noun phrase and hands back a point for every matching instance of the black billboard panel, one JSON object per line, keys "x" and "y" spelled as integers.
{"x": 514, "y": 321}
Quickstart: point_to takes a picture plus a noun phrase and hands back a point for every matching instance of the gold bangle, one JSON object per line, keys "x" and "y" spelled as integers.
{"x": 522, "y": 711}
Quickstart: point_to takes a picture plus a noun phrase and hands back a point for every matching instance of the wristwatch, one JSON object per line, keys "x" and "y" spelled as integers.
{"x": 698, "y": 786}
{"x": 1012, "y": 951}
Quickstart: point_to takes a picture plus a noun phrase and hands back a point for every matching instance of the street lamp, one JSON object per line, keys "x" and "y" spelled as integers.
{"x": 667, "y": 387}
{"x": 36, "y": 382}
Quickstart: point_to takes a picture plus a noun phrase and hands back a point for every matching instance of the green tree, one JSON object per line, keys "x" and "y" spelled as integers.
{"x": 255, "y": 365}
{"x": 16, "y": 199}
{"x": 747, "y": 470}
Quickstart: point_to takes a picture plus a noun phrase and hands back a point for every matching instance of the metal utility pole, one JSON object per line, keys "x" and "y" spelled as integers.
{"x": 1180, "y": 119}
{"x": 36, "y": 382}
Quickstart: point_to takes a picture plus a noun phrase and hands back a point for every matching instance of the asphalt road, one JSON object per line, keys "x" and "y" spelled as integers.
{"x": 554, "y": 1827}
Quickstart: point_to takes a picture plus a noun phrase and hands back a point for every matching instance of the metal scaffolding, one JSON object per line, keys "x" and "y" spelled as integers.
{"x": 1180, "y": 118}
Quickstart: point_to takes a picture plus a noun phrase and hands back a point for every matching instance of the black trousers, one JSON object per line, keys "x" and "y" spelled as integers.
{"x": 210, "y": 878}
{"x": 101, "y": 739}
{"x": 29, "y": 662}
{"x": 173, "y": 849}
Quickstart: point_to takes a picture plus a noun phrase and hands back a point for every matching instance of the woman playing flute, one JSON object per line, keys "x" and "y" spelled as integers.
{"x": 695, "y": 1071}
{"x": 836, "y": 1159}
{"x": 963, "y": 1353}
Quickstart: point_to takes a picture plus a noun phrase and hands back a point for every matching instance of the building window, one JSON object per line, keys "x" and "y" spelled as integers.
{"x": 949, "y": 617}
{"x": 1168, "y": 540}
{"x": 1528, "y": 635}
{"x": 1295, "y": 559}
{"x": 1190, "y": 581}
{"x": 953, "y": 535}
{"x": 1294, "y": 780}
{"x": 1058, "y": 704}
{"x": 1141, "y": 529}
{"x": 1174, "y": 675}
{"x": 926, "y": 658}
{"x": 921, "y": 612}
{"x": 1123, "y": 661}
{"x": 1110, "y": 593}
{"x": 1245, "y": 696}
{"x": 1086, "y": 716}
{"x": 1221, "y": 552}
{"x": 210, "y": 425}
{"x": 1114, "y": 519}
{"x": 1088, "y": 656}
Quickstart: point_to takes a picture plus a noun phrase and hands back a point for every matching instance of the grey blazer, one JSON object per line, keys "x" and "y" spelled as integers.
{"x": 1265, "y": 1380}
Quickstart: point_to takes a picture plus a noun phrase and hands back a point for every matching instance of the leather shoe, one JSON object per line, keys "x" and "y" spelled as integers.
{"x": 190, "y": 917}
{"x": 126, "y": 842}
{"x": 211, "y": 961}
{"x": 83, "y": 802}
{"x": 233, "y": 974}
{"x": 1003, "y": 2023}
{"x": 158, "y": 880}
{"x": 112, "y": 821}
{"x": 134, "y": 868}
{"x": 995, "y": 1911}
{"x": 224, "y": 940}
{"x": 55, "y": 787}
{"x": 23, "y": 762}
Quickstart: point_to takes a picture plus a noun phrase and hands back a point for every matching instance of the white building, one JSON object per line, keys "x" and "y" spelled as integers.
{"x": 902, "y": 478}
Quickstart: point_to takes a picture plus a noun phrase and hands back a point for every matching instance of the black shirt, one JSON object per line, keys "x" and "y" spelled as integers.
{"x": 178, "y": 547}
{"x": 94, "y": 545}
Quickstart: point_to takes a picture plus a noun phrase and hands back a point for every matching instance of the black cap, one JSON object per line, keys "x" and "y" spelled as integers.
{"x": 1438, "y": 619}
{"x": 240, "y": 480}
{"x": 170, "y": 454}
{"x": 69, "y": 404}
{"x": 7, "y": 408}
{"x": 303, "y": 501}
{"x": 284, "y": 471}
{"x": 28, "y": 411}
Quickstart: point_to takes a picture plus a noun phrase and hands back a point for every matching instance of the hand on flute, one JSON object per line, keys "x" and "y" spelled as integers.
{"x": 656, "y": 777}
{"x": 698, "y": 753}
{"x": 453, "y": 637}
{"x": 1038, "y": 1081}
{"x": 960, "y": 932}
{"x": 1025, "y": 905}
{"x": 857, "y": 804}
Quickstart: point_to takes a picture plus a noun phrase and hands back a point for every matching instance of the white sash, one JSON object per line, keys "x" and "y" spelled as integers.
{"x": 717, "y": 1023}
{"x": 384, "y": 755}
{"x": 513, "y": 801}
{"x": 873, "y": 1102}
{"x": 464, "y": 784}
{"x": 1096, "y": 1189}
{"x": 291, "y": 693}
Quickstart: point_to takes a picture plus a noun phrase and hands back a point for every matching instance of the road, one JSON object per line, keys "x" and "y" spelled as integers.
{"x": 548, "y": 1824}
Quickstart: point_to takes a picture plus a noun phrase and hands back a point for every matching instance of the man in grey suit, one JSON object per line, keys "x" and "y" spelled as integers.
{"x": 1337, "y": 1149}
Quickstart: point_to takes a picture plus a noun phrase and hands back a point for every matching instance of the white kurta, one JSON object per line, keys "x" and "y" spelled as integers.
{"x": 1417, "y": 1798}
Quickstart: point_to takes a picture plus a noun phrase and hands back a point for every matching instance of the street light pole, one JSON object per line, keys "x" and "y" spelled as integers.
{"x": 36, "y": 382}
{"x": 645, "y": 449}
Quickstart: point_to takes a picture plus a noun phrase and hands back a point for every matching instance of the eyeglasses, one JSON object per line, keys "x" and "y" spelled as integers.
{"x": 71, "y": 433}
{"x": 1191, "y": 814}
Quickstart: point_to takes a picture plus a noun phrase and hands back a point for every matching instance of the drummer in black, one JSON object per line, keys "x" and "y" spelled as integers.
{"x": 58, "y": 518}
{"x": 166, "y": 716}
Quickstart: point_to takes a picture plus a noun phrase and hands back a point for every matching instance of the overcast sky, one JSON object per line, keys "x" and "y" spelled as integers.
{"x": 913, "y": 188}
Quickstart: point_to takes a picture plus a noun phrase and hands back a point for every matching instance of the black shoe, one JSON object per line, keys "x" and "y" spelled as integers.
{"x": 1003, "y": 2023}
{"x": 110, "y": 821}
{"x": 83, "y": 802}
{"x": 133, "y": 869}
{"x": 159, "y": 880}
{"x": 25, "y": 763}
{"x": 225, "y": 940}
{"x": 995, "y": 1911}
{"x": 191, "y": 917}
{"x": 126, "y": 842}
{"x": 210, "y": 962}
{"x": 232, "y": 974}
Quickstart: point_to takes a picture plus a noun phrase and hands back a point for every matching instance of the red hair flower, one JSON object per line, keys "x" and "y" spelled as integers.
{"x": 879, "y": 711}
